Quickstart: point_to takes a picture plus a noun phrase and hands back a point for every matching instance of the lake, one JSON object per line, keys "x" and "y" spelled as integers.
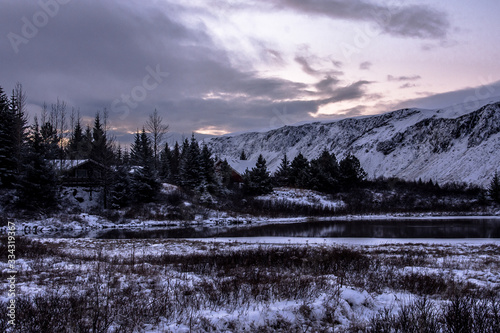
{"x": 380, "y": 228}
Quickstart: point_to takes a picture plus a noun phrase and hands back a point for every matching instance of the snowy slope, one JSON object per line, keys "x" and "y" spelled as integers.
{"x": 446, "y": 145}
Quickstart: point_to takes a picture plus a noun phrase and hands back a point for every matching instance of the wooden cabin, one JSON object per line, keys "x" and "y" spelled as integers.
{"x": 81, "y": 172}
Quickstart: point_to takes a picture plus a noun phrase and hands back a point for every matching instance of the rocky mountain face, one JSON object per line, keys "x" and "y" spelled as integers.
{"x": 408, "y": 143}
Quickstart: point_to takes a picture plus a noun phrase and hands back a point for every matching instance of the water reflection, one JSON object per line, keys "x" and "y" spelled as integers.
{"x": 456, "y": 228}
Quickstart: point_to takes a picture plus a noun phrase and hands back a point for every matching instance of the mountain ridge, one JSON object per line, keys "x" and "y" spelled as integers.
{"x": 412, "y": 143}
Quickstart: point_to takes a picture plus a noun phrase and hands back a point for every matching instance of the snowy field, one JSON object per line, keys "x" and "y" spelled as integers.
{"x": 273, "y": 285}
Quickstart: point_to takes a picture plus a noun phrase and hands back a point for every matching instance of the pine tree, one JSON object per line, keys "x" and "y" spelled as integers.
{"x": 190, "y": 165}
{"x": 165, "y": 161}
{"x": 243, "y": 156}
{"x": 257, "y": 180}
{"x": 36, "y": 186}
{"x": 351, "y": 172}
{"x": 76, "y": 146}
{"x": 224, "y": 174}
{"x": 50, "y": 141}
{"x": 207, "y": 166}
{"x": 282, "y": 175}
{"x": 300, "y": 172}
{"x": 174, "y": 177}
{"x": 101, "y": 147}
{"x": 13, "y": 135}
{"x": 87, "y": 142}
{"x": 324, "y": 173}
{"x": 120, "y": 188}
{"x": 8, "y": 164}
{"x": 145, "y": 186}
{"x": 494, "y": 188}
{"x": 141, "y": 151}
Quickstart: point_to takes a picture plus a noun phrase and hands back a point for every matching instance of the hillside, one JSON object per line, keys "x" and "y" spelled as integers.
{"x": 443, "y": 145}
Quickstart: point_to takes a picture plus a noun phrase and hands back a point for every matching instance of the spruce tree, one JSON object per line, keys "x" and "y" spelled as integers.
{"x": 257, "y": 180}
{"x": 36, "y": 185}
{"x": 351, "y": 172}
{"x": 282, "y": 175}
{"x": 243, "y": 156}
{"x": 190, "y": 165}
{"x": 324, "y": 173}
{"x": 50, "y": 141}
{"x": 174, "y": 177}
{"x": 165, "y": 161}
{"x": 494, "y": 188}
{"x": 8, "y": 163}
{"x": 120, "y": 188}
{"x": 100, "y": 148}
{"x": 76, "y": 146}
{"x": 300, "y": 172}
{"x": 207, "y": 166}
{"x": 144, "y": 184}
{"x": 141, "y": 150}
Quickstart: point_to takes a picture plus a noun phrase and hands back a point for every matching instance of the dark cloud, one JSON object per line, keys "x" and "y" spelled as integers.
{"x": 327, "y": 84}
{"x": 132, "y": 57}
{"x": 350, "y": 92}
{"x": 407, "y": 85}
{"x": 365, "y": 65}
{"x": 306, "y": 67}
{"x": 416, "y": 21}
{"x": 305, "y": 63}
{"x": 403, "y": 78}
{"x": 337, "y": 63}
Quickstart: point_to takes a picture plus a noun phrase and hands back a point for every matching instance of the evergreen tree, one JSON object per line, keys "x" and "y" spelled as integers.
{"x": 165, "y": 161}
{"x": 243, "y": 156}
{"x": 120, "y": 188}
{"x": 324, "y": 173}
{"x": 87, "y": 142}
{"x": 141, "y": 150}
{"x": 300, "y": 172}
{"x": 36, "y": 186}
{"x": 13, "y": 135}
{"x": 76, "y": 146}
{"x": 494, "y": 189}
{"x": 119, "y": 155}
{"x": 190, "y": 165}
{"x": 257, "y": 180}
{"x": 144, "y": 184}
{"x": 8, "y": 163}
{"x": 224, "y": 174}
{"x": 17, "y": 109}
{"x": 282, "y": 175}
{"x": 101, "y": 147}
{"x": 174, "y": 177}
{"x": 207, "y": 166}
{"x": 351, "y": 172}
{"x": 50, "y": 141}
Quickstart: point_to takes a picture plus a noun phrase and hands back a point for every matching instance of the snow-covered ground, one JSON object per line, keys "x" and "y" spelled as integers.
{"x": 301, "y": 196}
{"x": 228, "y": 286}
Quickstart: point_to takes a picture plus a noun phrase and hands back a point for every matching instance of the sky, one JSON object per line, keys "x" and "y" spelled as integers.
{"x": 222, "y": 66}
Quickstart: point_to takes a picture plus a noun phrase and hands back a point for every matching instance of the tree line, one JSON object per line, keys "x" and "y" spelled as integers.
{"x": 30, "y": 179}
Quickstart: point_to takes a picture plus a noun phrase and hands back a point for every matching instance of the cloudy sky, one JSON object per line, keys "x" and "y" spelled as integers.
{"x": 219, "y": 66}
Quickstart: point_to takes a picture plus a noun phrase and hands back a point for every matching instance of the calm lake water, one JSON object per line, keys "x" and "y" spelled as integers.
{"x": 400, "y": 228}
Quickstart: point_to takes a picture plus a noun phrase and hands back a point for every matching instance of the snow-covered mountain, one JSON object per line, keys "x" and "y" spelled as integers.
{"x": 445, "y": 145}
